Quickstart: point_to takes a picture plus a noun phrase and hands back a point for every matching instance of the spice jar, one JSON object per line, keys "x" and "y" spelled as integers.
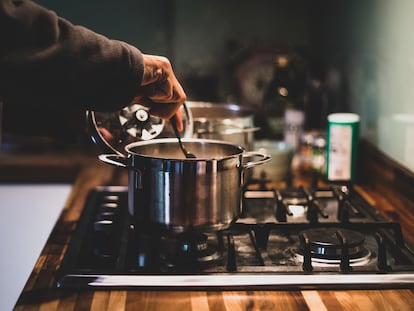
{"x": 342, "y": 141}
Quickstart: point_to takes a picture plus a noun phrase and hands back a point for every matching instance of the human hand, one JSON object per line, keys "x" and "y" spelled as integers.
{"x": 160, "y": 89}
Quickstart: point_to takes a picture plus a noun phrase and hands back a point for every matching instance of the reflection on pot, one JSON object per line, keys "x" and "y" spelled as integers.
{"x": 180, "y": 194}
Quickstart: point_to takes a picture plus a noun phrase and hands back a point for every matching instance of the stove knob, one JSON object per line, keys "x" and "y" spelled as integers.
{"x": 106, "y": 216}
{"x": 104, "y": 226}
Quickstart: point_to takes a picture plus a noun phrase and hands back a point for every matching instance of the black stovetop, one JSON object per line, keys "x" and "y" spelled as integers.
{"x": 285, "y": 238}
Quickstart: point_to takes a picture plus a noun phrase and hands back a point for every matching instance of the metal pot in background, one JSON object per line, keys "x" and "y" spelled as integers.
{"x": 221, "y": 121}
{"x": 171, "y": 192}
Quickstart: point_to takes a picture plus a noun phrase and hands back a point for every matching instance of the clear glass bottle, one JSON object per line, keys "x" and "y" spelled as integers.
{"x": 319, "y": 154}
{"x": 278, "y": 97}
{"x": 293, "y": 127}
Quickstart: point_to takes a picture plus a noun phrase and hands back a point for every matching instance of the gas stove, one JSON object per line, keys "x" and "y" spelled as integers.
{"x": 291, "y": 238}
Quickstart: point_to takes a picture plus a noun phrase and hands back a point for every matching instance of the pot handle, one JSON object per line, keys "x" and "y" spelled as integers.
{"x": 124, "y": 162}
{"x": 115, "y": 159}
{"x": 252, "y": 154}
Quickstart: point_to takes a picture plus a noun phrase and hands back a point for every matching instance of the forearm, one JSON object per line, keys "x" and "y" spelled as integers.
{"x": 48, "y": 60}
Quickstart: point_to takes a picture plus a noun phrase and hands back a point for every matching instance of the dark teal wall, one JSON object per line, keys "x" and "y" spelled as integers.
{"x": 364, "y": 47}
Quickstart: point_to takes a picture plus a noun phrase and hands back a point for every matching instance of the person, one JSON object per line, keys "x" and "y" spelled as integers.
{"x": 47, "y": 60}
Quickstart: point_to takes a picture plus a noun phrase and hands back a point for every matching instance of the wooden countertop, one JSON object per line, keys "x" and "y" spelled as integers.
{"x": 40, "y": 292}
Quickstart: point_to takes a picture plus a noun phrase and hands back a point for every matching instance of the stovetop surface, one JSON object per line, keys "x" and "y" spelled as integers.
{"x": 285, "y": 238}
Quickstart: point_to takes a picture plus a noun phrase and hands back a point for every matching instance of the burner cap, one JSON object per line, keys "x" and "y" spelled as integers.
{"x": 325, "y": 242}
{"x": 186, "y": 251}
{"x": 193, "y": 247}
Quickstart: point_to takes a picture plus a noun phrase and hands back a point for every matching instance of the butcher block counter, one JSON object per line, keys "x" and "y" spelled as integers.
{"x": 86, "y": 172}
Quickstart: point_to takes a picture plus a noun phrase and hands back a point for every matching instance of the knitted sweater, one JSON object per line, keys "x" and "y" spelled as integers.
{"x": 46, "y": 60}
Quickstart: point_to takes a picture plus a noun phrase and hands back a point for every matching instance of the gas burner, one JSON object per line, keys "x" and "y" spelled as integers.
{"x": 192, "y": 247}
{"x": 333, "y": 245}
{"x": 183, "y": 252}
{"x": 274, "y": 244}
{"x": 326, "y": 242}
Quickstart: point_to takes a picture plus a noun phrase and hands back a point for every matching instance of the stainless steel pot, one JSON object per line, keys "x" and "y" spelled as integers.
{"x": 222, "y": 121}
{"x": 178, "y": 194}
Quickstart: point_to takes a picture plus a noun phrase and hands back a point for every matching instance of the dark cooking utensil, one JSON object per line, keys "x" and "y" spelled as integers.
{"x": 187, "y": 154}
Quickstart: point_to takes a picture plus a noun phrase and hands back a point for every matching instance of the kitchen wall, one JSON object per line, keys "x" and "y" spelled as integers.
{"x": 364, "y": 49}
{"x": 381, "y": 76}
{"x": 204, "y": 40}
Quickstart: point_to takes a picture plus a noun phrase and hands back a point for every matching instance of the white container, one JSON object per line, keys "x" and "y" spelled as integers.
{"x": 342, "y": 142}
{"x": 280, "y": 164}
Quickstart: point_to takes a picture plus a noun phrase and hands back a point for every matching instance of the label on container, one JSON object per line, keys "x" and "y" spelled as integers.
{"x": 340, "y": 153}
{"x": 342, "y": 144}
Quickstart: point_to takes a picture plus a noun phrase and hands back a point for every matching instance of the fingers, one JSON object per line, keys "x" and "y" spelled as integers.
{"x": 179, "y": 120}
{"x": 161, "y": 87}
{"x": 163, "y": 92}
{"x": 159, "y": 82}
{"x": 162, "y": 110}
{"x": 155, "y": 68}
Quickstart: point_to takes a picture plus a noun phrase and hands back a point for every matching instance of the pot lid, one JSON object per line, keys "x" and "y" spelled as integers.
{"x": 112, "y": 131}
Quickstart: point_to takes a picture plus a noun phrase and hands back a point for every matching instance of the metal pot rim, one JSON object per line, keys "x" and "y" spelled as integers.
{"x": 238, "y": 150}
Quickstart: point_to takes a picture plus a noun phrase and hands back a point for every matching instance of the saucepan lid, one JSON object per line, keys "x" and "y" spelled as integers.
{"x": 113, "y": 131}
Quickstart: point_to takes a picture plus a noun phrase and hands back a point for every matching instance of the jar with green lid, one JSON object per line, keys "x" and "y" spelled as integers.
{"x": 342, "y": 142}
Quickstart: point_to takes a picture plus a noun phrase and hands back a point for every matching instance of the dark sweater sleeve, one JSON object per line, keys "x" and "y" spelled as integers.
{"x": 45, "y": 60}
